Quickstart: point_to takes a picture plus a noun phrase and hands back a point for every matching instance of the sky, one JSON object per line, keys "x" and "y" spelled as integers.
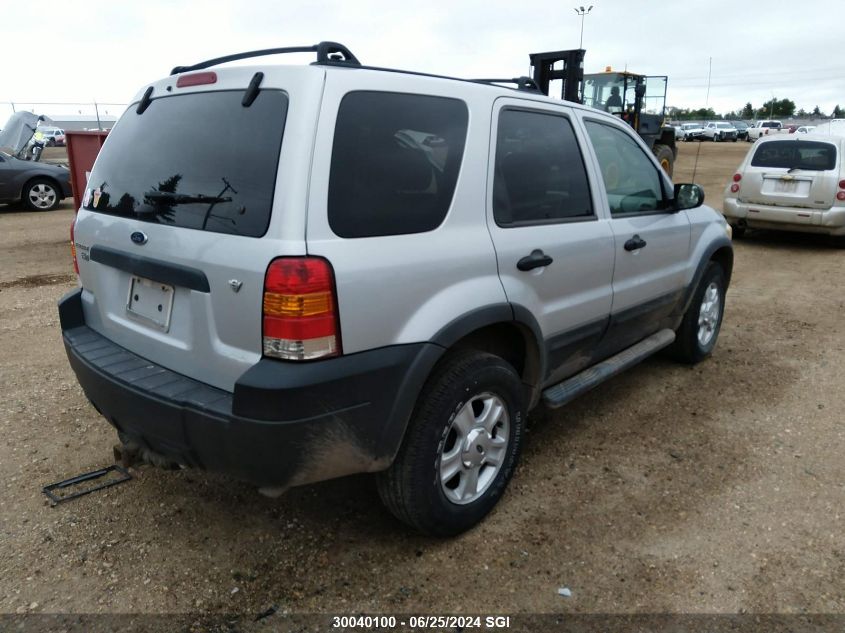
{"x": 93, "y": 50}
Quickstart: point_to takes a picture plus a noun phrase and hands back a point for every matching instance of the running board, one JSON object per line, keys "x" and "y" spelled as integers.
{"x": 563, "y": 392}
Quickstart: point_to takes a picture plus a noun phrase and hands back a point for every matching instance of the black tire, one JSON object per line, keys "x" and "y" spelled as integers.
{"x": 737, "y": 232}
{"x": 35, "y": 201}
{"x": 716, "y": 138}
{"x": 51, "y": 142}
{"x": 733, "y": 140}
{"x": 665, "y": 156}
{"x": 687, "y": 347}
{"x": 411, "y": 488}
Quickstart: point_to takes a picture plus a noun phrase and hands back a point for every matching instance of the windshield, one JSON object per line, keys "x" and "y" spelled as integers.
{"x": 789, "y": 154}
{"x": 200, "y": 161}
{"x": 724, "y": 125}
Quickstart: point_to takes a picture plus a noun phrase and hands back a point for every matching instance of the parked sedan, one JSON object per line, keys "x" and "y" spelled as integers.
{"x": 805, "y": 129}
{"x": 40, "y": 186}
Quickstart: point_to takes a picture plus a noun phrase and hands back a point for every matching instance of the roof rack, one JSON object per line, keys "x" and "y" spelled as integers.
{"x": 522, "y": 83}
{"x": 328, "y": 53}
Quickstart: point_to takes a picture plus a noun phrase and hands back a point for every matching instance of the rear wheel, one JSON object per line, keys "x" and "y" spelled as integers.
{"x": 460, "y": 448}
{"x": 665, "y": 156}
{"x": 41, "y": 195}
{"x": 737, "y": 232}
{"x": 699, "y": 330}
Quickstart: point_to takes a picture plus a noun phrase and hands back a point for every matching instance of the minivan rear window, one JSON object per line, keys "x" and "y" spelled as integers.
{"x": 395, "y": 162}
{"x": 789, "y": 154}
{"x": 199, "y": 161}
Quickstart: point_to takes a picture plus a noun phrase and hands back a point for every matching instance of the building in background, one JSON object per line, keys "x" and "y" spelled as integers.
{"x": 75, "y": 122}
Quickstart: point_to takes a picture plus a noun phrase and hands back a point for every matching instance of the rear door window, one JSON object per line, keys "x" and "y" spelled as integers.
{"x": 199, "y": 161}
{"x": 395, "y": 163}
{"x": 811, "y": 155}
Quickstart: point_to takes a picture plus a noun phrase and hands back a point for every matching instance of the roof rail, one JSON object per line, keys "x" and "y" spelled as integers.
{"x": 522, "y": 83}
{"x": 328, "y": 53}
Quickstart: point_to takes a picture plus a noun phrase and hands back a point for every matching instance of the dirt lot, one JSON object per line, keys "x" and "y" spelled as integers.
{"x": 718, "y": 488}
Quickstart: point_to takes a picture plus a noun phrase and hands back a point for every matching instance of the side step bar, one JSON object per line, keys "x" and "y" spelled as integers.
{"x": 563, "y": 392}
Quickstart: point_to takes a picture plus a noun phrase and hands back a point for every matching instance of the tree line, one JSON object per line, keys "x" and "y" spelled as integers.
{"x": 773, "y": 108}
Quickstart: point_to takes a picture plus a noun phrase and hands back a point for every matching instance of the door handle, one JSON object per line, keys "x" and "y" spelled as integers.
{"x": 635, "y": 243}
{"x": 536, "y": 259}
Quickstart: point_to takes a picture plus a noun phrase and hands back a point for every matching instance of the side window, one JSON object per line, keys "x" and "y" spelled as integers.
{"x": 539, "y": 171}
{"x": 632, "y": 182}
{"x": 395, "y": 163}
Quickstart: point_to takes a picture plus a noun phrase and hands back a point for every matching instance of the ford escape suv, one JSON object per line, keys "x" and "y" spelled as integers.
{"x": 293, "y": 273}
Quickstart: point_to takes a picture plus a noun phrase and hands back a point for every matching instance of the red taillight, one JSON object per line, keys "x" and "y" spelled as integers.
{"x": 842, "y": 184}
{"x": 734, "y": 188}
{"x": 73, "y": 244}
{"x": 300, "y": 309}
{"x": 840, "y": 195}
{"x": 737, "y": 177}
{"x": 196, "y": 79}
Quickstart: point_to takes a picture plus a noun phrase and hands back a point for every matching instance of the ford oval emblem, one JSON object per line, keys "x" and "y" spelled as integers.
{"x": 138, "y": 237}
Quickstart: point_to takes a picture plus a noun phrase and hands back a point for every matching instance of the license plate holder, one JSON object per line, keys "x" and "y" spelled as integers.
{"x": 150, "y": 301}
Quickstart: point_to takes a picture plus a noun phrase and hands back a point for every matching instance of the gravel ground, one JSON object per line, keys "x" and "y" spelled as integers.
{"x": 713, "y": 489}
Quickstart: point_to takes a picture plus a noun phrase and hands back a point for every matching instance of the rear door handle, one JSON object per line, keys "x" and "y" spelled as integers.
{"x": 635, "y": 243}
{"x": 536, "y": 259}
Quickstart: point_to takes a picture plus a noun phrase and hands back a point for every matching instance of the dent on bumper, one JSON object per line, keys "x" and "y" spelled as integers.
{"x": 829, "y": 221}
{"x": 285, "y": 424}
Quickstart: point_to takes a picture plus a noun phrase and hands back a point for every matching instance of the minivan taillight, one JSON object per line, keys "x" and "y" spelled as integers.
{"x": 73, "y": 244}
{"x": 300, "y": 316}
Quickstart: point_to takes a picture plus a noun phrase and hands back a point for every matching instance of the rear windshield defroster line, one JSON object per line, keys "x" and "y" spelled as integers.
{"x": 199, "y": 160}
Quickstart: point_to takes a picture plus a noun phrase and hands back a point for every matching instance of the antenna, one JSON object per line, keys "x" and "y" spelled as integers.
{"x": 706, "y": 104}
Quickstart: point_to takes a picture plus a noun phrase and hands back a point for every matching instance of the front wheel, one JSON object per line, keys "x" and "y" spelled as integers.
{"x": 41, "y": 195}
{"x": 461, "y": 445}
{"x": 699, "y": 330}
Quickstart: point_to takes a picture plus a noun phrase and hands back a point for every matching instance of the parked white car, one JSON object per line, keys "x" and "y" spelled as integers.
{"x": 790, "y": 182}
{"x": 691, "y": 131}
{"x": 763, "y": 128}
{"x": 720, "y": 131}
{"x": 805, "y": 129}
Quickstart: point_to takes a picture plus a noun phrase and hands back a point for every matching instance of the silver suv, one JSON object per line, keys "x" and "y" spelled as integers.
{"x": 293, "y": 273}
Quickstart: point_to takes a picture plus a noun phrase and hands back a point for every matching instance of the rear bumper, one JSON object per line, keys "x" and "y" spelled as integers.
{"x": 830, "y": 221}
{"x": 285, "y": 424}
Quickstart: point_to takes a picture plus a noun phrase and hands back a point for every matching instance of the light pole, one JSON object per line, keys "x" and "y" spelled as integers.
{"x": 583, "y": 13}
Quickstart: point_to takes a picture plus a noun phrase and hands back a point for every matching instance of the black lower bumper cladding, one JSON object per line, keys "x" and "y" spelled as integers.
{"x": 284, "y": 424}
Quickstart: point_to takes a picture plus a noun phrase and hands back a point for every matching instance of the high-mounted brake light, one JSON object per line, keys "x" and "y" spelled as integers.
{"x": 300, "y": 314}
{"x": 196, "y": 79}
{"x": 73, "y": 245}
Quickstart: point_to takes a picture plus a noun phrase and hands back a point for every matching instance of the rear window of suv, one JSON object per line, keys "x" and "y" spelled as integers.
{"x": 395, "y": 163}
{"x": 789, "y": 154}
{"x": 199, "y": 161}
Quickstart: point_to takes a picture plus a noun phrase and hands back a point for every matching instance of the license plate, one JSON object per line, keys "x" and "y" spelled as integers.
{"x": 786, "y": 186}
{"x": 150, "y": 301}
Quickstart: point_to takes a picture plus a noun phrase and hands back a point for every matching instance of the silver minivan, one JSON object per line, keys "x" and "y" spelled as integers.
{"x": 292, "y": 273}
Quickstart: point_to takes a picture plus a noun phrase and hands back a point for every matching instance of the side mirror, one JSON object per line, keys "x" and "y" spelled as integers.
{"x": 688, "y": 196}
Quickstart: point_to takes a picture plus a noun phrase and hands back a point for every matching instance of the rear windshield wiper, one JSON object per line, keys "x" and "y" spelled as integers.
{"x": 166, "y": 197}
